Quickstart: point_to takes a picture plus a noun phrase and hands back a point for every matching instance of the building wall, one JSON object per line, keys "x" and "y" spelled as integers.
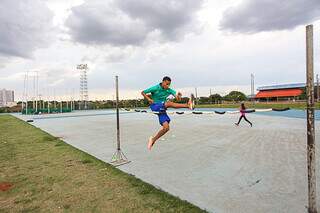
{"x": 6, "y": 97}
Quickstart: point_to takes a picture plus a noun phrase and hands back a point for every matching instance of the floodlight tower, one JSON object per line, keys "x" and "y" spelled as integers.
{"x": 83, "y": 85}
{"x": 252, "y": 85}
{"x": 252, "y": 88}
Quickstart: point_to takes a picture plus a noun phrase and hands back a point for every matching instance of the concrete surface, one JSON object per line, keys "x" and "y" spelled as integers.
{"x": 205, "y": 160}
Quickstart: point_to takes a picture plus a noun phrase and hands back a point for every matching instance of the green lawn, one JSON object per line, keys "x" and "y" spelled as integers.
{"x": 47, "y": 175}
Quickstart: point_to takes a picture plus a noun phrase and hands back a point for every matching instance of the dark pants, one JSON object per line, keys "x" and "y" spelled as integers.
{"x": 243, "y": 116}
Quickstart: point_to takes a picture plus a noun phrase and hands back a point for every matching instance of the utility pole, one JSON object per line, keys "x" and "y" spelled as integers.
{"x": 34, "y": 93}
{"x": 54, "y": 99}
{"x": 24, "y": 94}
{"x": 37, "y": 90}
{"x": 48, "y": 96}
{"x": 311, "y": 154}
{"x": 196, "y": 91}
{"x": 318, "y": 88}
{"x": 67, "y": 98}
{"x": 73, "y": 105}
{"x": 252, "y": 88}
{"x": 27, "y": 91}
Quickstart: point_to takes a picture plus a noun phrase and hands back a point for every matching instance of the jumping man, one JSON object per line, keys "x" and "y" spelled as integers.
{"x": 158, "y": 103}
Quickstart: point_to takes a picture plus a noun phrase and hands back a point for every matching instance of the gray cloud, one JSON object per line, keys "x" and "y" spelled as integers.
{"x": 25, "y": 25}
{"x": 117, "y": 57}
{"x": 89, "y": 58}
{"x": 171, "y": 17}
{"x": 3, "y": 61}
{"x": 128, "y": 22}
{"x": 254, "y": 16}
{"x": 97, "y": 23}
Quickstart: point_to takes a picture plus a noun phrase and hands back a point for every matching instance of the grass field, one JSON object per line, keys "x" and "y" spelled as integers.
{"x": 40, "y": 173}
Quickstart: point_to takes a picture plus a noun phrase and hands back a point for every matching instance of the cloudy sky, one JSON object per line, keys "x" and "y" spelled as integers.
{"x": 198, "y": 43}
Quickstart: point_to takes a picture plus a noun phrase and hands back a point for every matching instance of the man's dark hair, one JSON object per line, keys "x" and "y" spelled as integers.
{"x": 166, "y": 78}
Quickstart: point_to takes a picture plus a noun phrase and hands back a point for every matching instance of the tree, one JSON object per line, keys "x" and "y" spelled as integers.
{"x": 203, "y": 100}
{"x": 215, "y": 98}
{"x": 235, "y": 96}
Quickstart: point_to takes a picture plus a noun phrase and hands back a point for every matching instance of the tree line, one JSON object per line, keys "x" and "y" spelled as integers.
{"x": 233, "y": 96}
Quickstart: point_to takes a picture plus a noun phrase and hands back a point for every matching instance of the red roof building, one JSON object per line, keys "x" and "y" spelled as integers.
{"x": 280, "y": 92}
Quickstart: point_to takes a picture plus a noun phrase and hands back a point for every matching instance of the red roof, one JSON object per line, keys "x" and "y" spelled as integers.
{"x": 279, "y": 93}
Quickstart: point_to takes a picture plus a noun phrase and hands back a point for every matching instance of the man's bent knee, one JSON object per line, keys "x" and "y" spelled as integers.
{"x": 166, "y": 128}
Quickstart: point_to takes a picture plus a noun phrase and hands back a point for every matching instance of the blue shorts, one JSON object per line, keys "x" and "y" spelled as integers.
{"x": 163, "y": 116}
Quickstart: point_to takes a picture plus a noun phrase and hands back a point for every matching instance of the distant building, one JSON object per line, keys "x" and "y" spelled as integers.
{"x": 7, "y": 98}
{"x": 280, "y": 92}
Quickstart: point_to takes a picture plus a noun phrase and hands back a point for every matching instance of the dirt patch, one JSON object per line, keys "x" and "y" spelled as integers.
{"x": 5, "y": 186}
